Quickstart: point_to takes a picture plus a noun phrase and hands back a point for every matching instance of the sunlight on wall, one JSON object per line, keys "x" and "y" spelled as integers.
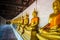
{"x": 44, "y": 8}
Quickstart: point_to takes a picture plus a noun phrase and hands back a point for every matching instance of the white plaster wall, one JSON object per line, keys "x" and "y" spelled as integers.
{"x": 44, "y": 8}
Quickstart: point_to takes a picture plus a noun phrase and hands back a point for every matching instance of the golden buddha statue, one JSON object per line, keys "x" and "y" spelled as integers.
{"x": 34, "y": 25}
{"x": 22, "y": 23}
{"x": 26, "y": 22}
{"x": 26, "y": 19}
{"x": 51, "y": 31}
{"x": 54, "y": 19}
{"x": 34, "y": 21}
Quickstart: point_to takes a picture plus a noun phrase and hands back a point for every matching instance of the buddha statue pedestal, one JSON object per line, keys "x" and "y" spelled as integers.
{"x": 29, "y": 34}
{"x": 51, "y": 34}
{"x": 26, "y": 22}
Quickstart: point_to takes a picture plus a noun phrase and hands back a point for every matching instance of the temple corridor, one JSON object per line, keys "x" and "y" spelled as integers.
{"x": 30, "y": 20}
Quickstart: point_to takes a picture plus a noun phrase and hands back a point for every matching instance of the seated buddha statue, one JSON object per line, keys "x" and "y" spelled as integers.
{"x": 51, "y": 31}
{"x": 34, "y": 21}
{"x": 26, "y": 19}
{"x": 26, "y": 22}
{"x": 22, "y": 23}
{"x": 54, "y": 19}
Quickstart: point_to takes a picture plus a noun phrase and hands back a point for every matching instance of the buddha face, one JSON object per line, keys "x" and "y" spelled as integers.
{"x": 26, "y": 16}
{"x": 34, "y": 14}
{"x": 56, "y": 6}
{"x": 26, "y": 19}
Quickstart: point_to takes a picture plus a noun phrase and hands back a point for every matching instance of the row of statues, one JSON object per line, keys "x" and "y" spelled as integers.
{"x": 53, "y": 24}
{"x": 54, "y": 19}
{"x": 24, "y": 21}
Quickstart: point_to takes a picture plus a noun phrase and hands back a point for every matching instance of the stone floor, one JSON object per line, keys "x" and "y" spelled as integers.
{"x": 6, "y": 33}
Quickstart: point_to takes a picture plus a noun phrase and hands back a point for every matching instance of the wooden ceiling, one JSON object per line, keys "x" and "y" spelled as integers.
{"x": 11, "y": 8}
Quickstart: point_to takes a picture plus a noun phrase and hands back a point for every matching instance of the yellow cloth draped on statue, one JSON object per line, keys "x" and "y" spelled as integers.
{"x": 55, "y": 20}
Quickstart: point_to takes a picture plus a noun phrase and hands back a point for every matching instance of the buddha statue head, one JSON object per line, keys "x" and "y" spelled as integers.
{"x": 26, "y": 19}
{"x": 26, "y": 16}
{"x": 34, "y": 13}
{"x": 56, "y": 6}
